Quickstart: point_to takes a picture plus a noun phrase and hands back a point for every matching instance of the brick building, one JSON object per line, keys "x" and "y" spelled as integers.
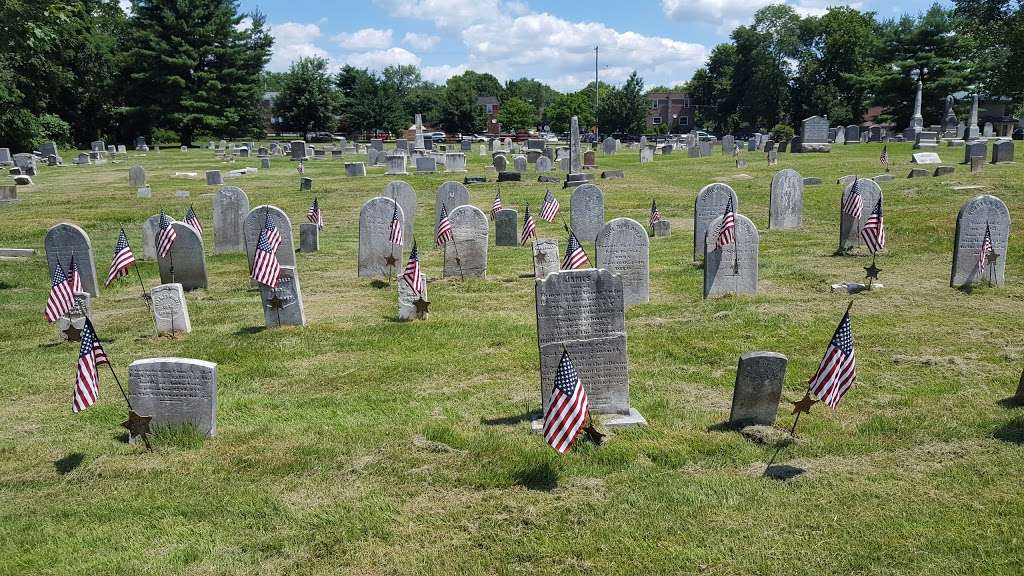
{"x": 672, "y": 108}
{"x": 491, "y": 107}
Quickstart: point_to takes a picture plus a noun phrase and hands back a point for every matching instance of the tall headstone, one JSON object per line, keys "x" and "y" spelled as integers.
{"x": 309, "y": 237}
{"x": 282, "y": 306}
{"x": 622, "y": 246}
{"x": 505, "y": 221}
{"x": 452, "y": 194}
{"x": 150, "y": 229}
{"x": 299, "y": 150}
{"x": 850, "y": 227}
{"x": 66, "y": 240}
{"x": 403, "y": 193}
{"x": 419, "y": 144}
{"x": 185, "y": 264}
{"x": 759, "y": 380}
{"x": 731, "y": 269}
{"x": 545, "y": 257}
{"x": 974, "y": 216}
{"x": 917, "y": 121}
{"x": 136, "y": 176}
{"x": 466, "y": 255}
{"x": 378, "y": 257}
{"x": 176, "y": 392}
{"x": 575, "y": 152}
{"x": 972, "y": 125}
{"x": 253, "y": 225}
{"x": 583, "y": 311}
{"x": 710, "y": 204}
{"x": 170, "y": 310}
{"x": 814, "y": 135}
{"x": 230, "y": 207}
{"x": 586, "y": 212}
{"x": 949, "y": 121}
{"x": 786, "y": 205}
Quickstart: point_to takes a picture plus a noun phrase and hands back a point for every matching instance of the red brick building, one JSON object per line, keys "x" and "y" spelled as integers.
{"x": 672, "y": 108}
{"x": 491, "y": 107}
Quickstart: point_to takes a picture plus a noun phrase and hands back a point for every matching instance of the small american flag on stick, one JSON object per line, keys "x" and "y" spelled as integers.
{"x": 192, "y": 220}
{"x": 529, "y": 227}
{"x": 655, "y": 214}
{"x": 497, "y": 204}
{"x": 61, "y": 297}
{"x": 87, "y": 378}
{"x": 314, "y": 215}
{"x": 549, "y": 209}
{"x": 76, "y": 278}
{"x": 412, "y": 275}
{"x": 265, "y": 267}
{"x": 873, "y": 232}
{"x": 567, "y": 407}
{"x": 166, "y": 236}
{"x": 884, "y": 156}
{"x": 575, "y": 257}
{"x": 123, "y": 258}
{"x": 854, "y": 204}
{"x": 986, "y": 249}
{"x": 395, "y": 229}
{"x": 727, "y": 229}
{"x": 444, "y": 228}
{"x": 837, "y": 371}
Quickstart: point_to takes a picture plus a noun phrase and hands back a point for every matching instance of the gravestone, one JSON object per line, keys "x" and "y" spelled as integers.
{"x": 401, "y": 192}
{"x": 309, "y": 237}
{"x": 786, "y": 204}
{"x": 66, "y": 240}
{"x": 500, "y": 163}
{"x": 505, "y": 227}
{"x": 407, "y": 298}
{"x": 589, "y": 159}
{"x": 728, "y": 145}
{"x": 986, "y": 132}
{"x": 977, "y": 164}
{"x": 975, "y": 148}
{"x": 282, "y": 306}
{"x": 170, "y": 310}
{"x": 582, "y": 311}
{"x": 925, "y": 158}
{"x": 136, "y": 176}
{"x": 176, "y": 392}
{"x": 395, "y": 165}
{"x": 452, "y": 195}
{"x": 467, "y": 256}
{"x": 710, "y": 204}
{"x": 575, "y": 151}
{"x": 662, "y": 228}
{"x": 377, "y": 144}
{"x": 608, "y": 146}
{"x": 544, "y": 164}
{"x": 519, "y": 163}
{"x": 586, "y": 212}
{"x": 299, "y": 150}
{"x": 971, "y": 221}
{"x": 187, "y": 258}
{"x": 731, "y": 269}
{"x": 378, "y": 257}
{"x": 455, "y": 162}
{"x": 305, "y": 184}
{"x": 230, "y": 207}
{"x": 622, "y": 247}
{"x": 253, "y": 225}
{"x": 1002, "y": 151}
{"x": 214, "y": 178}
{"x": 918, "y": 173}
{"x": 840, "y": 137}
{"x": 355, "y": 169}
{"x": 852, "y": 134}
{"x": 8, "y": 193}
{"x": 759, "y": 380}
{"x": 265, "y": 163}
{"x": 425, "y": 165}
{"x": 814, "y": 135}
{"x": 849, "y": 227}
{"x": 926, "y": 139}
{"x": 373, "y": 156}
{"x": 144, "y": 192}
{"x": 545, "y": 257}
{"x": 150, "y": 229}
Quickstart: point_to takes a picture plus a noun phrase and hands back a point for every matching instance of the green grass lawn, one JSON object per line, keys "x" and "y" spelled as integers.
{"x": 314, "y": 469}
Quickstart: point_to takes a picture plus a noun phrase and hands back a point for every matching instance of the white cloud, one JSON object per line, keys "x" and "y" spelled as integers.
{"x": 380, "y": 59}
{"x": 726, "y": 15}
{"x": 449, "y": 15}
{"x": 292, "y": 41}
{"x": 441, "y": 74}
{"x": 421, "y": 42}
{"x": 365, "y": 39}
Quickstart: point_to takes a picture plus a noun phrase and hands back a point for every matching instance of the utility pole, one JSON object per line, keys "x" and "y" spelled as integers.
{"x": 597, "y": 96}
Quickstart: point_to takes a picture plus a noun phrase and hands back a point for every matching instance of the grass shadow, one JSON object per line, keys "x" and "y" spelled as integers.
{"x": 529, "y": 275}
{"x": 249, "y": 330}
{"x": 1011, "y": 432}
{"x": 378, "y": 284}
{"x": 510, "y": 420}
{"x": 783, "y": 472}
{"x": 6, "y": 286}
{"x": 68, "y": 463}
{"x": 53, "y": 344}
{"x": 541, "y": 477}
{"x": 724, "y": 426}
{"x": 1012, "y": 402}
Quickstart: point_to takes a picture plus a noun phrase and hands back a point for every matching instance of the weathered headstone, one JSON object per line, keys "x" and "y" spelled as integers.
{"x": 214, "y": 178}
{"x": 575, "y": 151}
{"x": 452, "y": 195}
{"x": 586, "y": 212}
{"x": 545, "y": 257}
{"x": 170, "y": 310}
{"x": 500, "y": 162}
{"x": 1002, "y": 151}
{"x": 186, "y": 261}
{"x": 505, "y": 221}
{"x": 176, "y": 392}
{"x": 253, "y": 225}
{"x": 975, "y": 148}
{"x": 662, "y": 228}
{"x": 466, "y": 255}
{"x": 66, "y": 240}
{"x": 136, "y": 176}
{"x": 974, "y": 216}
{"x": 544, "y": 164}
{"x": 230, "y": 207}
{"x": 519, "y": 163}
{"x": 355, "y": 169}
{"x": 455, "y": 162}
{"x": 73, "y": 321}
{"x": 282, "y": 306}
{"x": 786, "y": 204}
{"x": 401, "y": 192}
{"x": 378, "y": 257}
{"x": 759, "y": 380}
{"x": 623, "y": 248}
{"x": 814, "y": 135}
{"x": 608, "y": 146}
{"x": 977, "y": 164}
{"x": 710, "y": 204}
{"x": 299, "y": 150}
{"x": 407, "y": 298}
{"x": 850, "y": 227}
{"x": 731, "y": 269}
{"x": 926, "y": 158}
{"x": 8, "y": 193}
{"x": 582, "y": 311}
{"x": 425, "y": 165}
{"x": 309, "y": 237}
{"x": 728, "y": 145}
{"x": 395, "y": 165}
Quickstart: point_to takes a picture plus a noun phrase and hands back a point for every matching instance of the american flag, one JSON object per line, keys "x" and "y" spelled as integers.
{"x": 76, "y": 278}
{"x": 412, "y": 274}
{"x": 87, "y": 378}
{"x": 301, "y": 168}
{"x": 444, "y": 228}
{"x": 61, "y": 297}
{"x": 192, "y": 220}
{"x": 549, "y": 209}
{"x": 727, "y": 230}
{"x": 567, "y": 407}
{"x": 273, "y": 234}
{"x": 496, "y": 205}
{"x": 529, "y": 227}
{"x": 166, "y": 237}
{"x": 873, "y": 232}
{"x": 655, "y": 213}
{"x": 854, "y": 204}
{"x": 395, "y": 229}
{"x": 123, "y": 258}
{"x": 314, "y": 215}
{"x": 838, "y": 369}
{"x": 265, "y": 267}
{"x": 986, "y": 249}
{"x": 575, "y": 257}
{"x": 884, "y": 156}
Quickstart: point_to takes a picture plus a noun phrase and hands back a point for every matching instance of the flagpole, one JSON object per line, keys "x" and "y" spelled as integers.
{"x": 145, "y": 438}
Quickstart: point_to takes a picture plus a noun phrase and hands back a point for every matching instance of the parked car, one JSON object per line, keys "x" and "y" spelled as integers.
{"x": 440, "y": 137}
{"x": 320, "y": 137}
{"x": 703, "y": 136}
{"x": 479, "y": 138}
{"x": 1018, "y": 134}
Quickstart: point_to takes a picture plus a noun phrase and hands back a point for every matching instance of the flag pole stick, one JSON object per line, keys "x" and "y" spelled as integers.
{"x": 145, "y": 438}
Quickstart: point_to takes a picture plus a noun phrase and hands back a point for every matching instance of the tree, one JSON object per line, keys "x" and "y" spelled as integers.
{"x": 624, "y": 110}
{"x": 992, "y": 33}
{"x": 427, "y": 100}
{"x": 193, "y": 68}
{"x": 516, "y": 114}
{"x": 461, "y": 112}
{"x": 762, "y": 69}
{"x": 367, "y": 104}
{"x": 711, "y": 90}
{"x": 484, "y": 84}
{"x": 565, "y": 106}
{"x": 533, "y": 91}
{"x": 308, "y": 101}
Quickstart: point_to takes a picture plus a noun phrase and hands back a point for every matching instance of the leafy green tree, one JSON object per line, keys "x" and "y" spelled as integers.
{"x": 762, "y": 70}
{"x": 193, "y": 69}
{"x": 992, "y": 33}
{"x": 461, "y": 112}
{"x": 517, "y": 114}
{"x": 558, "y": 114}
{"x": 367, "y": 104}
{"x": 426, "y": 99}
{"x": 533, "y": 91}
{"x": 484, "y": 84}
{"x": 308, "y": 101}
{"x": 711, "y": 91}
{"x": 624, "y": 109}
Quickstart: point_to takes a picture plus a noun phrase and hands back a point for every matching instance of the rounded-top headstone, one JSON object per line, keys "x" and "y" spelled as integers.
{"x": 405, "y": 195}
{"x": 586, "y": 212}
{"x": 786, "y": 205}
{"x": 66, "y": 240}
{"x": 452, "y": 194}
{"x": 230, "y": 207}
{"x": 850, "y": 227}
{"x": 710, "y": 203}
{"x": 622, "y": 246}
{"x": 253, "y": 225}
{"x": 544, "y": 164}
{"x": 466, "y": 256}
{"x": 375, "y": 247}
{"x": 731, "y": 269}
{"x": 500, "y": 163}
{"x": 187, "y": 258}
{"x": 975, "y": 215}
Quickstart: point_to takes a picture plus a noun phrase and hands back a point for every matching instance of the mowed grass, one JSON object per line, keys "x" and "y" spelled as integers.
{"x": 319, "y": 465}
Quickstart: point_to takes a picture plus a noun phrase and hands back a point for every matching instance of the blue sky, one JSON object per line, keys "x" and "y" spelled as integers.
{"x": 664, "y": 40}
